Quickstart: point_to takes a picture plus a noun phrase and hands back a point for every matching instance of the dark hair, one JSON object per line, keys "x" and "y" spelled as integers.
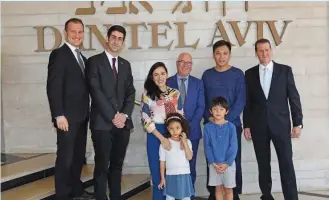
{"x": 262, "y": 41}
{"x": 176, "y": 117}
{"x": 74, "y": 20}
{"x": 152, "y": 89}
{"x": 117, "y": 28}
{"x": 221, "y": 43}
{"x": 219, "y": 101}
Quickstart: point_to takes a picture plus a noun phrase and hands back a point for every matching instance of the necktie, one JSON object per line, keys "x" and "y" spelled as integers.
{"x": 265, "y": 82}
{"x": 80, "y": 61}
{"x": 182, "y": 90}
{"x": 115, "y": 72}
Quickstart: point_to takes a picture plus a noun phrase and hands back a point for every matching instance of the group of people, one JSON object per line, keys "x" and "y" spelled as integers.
{"x": 172, "y": 110}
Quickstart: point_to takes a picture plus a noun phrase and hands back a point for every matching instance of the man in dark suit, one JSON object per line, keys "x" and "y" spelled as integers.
{"x": 192, "y": 97}
{"x": 113, "y": 95}
{"x": 69, "y": 105}
{"x": 270, "y": 89}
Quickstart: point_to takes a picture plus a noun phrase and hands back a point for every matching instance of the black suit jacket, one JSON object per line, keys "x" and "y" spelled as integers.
{"x": 109, "y": 95}
{"x": 274, "y": 111}
{"x": 67, "y": 87}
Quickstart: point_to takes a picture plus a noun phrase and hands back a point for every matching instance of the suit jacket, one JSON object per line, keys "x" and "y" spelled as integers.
{"x": 109, "y": 95}
{"x": 194, "y": 103}
{"x": 274, "y": 111}
{"x": 67, "y": 87}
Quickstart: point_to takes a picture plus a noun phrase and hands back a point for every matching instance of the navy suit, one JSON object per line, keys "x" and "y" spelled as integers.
{"x": 193, "y": 110}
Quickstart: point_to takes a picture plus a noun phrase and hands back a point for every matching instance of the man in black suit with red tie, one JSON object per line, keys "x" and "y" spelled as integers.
{"x": 271, "y": 90}
{"x": 113, "y": 95}
{"x": 68, "y": 97}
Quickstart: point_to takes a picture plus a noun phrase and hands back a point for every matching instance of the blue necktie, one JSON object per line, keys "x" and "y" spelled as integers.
{"x": 182, "y": 90}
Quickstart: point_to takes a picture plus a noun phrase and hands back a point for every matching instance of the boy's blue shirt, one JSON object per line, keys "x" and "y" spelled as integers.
{"x": 220, "y": 143}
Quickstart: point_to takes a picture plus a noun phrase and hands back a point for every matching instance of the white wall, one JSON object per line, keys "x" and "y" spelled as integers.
{"x": 1, "y": 118}
{"x": 27, "y": 126}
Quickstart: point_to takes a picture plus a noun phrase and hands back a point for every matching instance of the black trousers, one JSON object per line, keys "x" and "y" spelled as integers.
{"x": 110, "y": 151}
{"x": 71, "y": 150}
{"x": 238, "y": 177}
{"x": 283, "y": 147}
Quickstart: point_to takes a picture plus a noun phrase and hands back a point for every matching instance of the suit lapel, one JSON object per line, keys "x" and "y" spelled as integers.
{"x": 258, "y": 82}
{"x": 121, "y": 72}
{"x": 189, "y": 89}
{"x": 107, "y": 65}
{"x": 73, "y": 58}
{"x": 175, "y": 82}
{"x": 275, "y": 74}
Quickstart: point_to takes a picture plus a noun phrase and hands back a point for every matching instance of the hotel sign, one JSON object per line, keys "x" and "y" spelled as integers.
{"x": 219, "y": 32}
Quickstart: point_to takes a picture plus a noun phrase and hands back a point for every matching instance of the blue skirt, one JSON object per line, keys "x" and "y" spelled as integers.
{"x": 179, "y": 186}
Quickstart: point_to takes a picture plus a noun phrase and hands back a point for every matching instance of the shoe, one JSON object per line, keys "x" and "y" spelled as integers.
{"x": 211, "y": 198}
{"x": 266, "y": 197}
{"x": 236, "y": 197}
{"x": 85, "y": 196}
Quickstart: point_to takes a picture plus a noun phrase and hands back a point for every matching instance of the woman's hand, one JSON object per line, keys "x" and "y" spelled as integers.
{"x": 166, "y": 143}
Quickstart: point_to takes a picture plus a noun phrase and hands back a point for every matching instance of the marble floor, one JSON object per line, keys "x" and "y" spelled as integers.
{"x": 10, "y": 158}
{"x": 146, "y": 194}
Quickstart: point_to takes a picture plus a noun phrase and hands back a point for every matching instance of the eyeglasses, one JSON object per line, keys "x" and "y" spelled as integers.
{"x": 188, "y": 63}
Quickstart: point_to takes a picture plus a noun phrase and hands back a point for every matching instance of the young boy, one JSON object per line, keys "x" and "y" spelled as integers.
{"x": 221, "y": 146}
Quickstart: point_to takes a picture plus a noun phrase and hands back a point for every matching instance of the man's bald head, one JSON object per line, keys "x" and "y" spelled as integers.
{"x": 184, "y": 64}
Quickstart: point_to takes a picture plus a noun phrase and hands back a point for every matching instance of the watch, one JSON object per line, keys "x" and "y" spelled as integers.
{"x": 126, "y": 116}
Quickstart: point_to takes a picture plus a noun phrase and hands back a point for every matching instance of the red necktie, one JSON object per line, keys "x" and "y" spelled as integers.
{"x": 114, "y": 68}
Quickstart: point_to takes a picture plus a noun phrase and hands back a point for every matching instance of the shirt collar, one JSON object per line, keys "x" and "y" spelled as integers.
{"x": 110, "y": 57}
{"x": 269, "y": 66}
{"x": 179, "y": 77}
{"x": 73, "y": 48}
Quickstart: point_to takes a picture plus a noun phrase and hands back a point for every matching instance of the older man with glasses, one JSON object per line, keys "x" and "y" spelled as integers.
{"x": 192, "y": 99}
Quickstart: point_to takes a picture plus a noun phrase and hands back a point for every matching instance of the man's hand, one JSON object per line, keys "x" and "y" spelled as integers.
{"x": 119, "y": 120}
{"x": 62, "y": 123}
{"x": 247, "y": 133}
{"x": 295, "y": 132}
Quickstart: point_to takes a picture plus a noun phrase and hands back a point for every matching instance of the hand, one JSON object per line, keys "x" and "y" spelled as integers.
{"x": 162, "y": 184}
{"x": 183, "y": 140}
{"x": 166, "y": 143}
{"x": 121, "y": 117}
{"x": 295, "y": 132}
{"x": 118, "y": 123}
{"x": 216, "y": 166}
{"x": 183, "y": 136}
{"x": 119, "y": 120}
{"x": 222, "y": 168}
{"x": 62, "y": 123}
{"x": 247, "y": 133}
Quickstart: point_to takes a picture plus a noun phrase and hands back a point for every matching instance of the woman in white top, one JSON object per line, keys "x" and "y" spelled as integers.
{"x": 177, "y": 182}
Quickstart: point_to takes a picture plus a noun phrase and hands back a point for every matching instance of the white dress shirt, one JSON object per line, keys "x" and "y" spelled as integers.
{"x": 109, "y": 56}
{"x": 265, "y": 77}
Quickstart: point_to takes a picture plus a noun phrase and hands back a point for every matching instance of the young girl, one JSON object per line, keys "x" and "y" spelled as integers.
{"x": 177, "y": 182}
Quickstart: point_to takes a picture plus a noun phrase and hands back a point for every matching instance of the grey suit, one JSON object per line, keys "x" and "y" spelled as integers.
{"x": 109, "y": 96}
